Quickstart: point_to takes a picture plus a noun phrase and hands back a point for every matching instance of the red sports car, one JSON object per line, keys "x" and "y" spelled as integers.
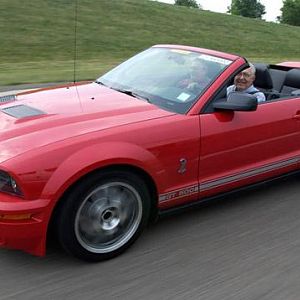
{"x": 96, "y": 161}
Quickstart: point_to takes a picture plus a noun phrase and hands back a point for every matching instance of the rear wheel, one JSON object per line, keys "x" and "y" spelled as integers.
{"x": 104, "y": 215}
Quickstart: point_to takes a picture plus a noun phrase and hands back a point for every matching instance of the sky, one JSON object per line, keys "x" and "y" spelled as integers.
{"x": 272, "y": 6}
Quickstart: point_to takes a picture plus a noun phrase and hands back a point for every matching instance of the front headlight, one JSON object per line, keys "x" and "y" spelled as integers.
{"x": 8, "y": 184}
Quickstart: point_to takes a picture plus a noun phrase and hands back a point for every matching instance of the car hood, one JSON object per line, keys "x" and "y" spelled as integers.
{"x": 44, "y": 117}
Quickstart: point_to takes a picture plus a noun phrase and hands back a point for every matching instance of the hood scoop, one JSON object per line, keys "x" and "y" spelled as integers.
{"x": 8, "y": 98}
{"x": 22, "y": 111}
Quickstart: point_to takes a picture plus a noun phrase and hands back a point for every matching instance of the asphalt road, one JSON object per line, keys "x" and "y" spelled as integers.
{"x": 246, "y": 246}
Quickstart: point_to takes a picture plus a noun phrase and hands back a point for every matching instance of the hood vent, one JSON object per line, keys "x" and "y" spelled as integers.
{"x": 22, "y": 111}
{"x": 8, "y": 98}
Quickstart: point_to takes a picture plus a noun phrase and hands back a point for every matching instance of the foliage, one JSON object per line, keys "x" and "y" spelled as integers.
{"x": 188, "y": 3}
{"x": 247, "y": 8}
{"x": 37, "y": 36}
{"x": 290, "y": 12}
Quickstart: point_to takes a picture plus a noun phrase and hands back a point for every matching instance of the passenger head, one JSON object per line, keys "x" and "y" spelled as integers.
{"x": 245, "y": 78}
{"x": 198, "y": 69}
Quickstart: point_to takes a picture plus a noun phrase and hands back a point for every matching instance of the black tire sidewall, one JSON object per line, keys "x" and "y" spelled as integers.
{"x": 69, "y": 209}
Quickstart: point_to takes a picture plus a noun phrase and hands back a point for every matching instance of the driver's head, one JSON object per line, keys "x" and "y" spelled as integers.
{"x": 245, "y": 78}
{"x": 199, "y": 69}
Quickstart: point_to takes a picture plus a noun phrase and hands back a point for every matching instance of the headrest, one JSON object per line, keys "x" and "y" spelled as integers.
{"x": 292, "y": 78}
{"x": 262, "y": 77}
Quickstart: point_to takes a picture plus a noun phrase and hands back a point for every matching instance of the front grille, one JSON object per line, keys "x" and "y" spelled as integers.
{"x": 8, "y": 98}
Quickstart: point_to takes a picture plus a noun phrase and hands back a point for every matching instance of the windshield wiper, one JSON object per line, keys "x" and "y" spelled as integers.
{"x": 127, "y": 92}
{"x": 132, "y": 94}
{"x": 100, "y": 82}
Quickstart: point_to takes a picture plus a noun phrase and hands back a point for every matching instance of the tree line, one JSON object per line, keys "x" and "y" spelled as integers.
{"x": 290, "y": 11}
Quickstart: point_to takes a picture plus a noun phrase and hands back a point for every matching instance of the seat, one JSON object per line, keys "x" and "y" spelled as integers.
{"x": 263, "y": 81}
{"x": 291, "y": 82}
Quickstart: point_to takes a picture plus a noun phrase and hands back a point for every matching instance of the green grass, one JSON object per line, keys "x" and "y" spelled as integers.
{"x": 37, "y": 36}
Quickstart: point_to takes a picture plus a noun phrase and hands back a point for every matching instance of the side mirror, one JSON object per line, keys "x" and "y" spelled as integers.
{"x": 237, "y": 102}
{"x": 296, "y": 93}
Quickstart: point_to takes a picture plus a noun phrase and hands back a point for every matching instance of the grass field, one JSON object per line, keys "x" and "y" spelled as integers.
{"x": 38, "y": 36}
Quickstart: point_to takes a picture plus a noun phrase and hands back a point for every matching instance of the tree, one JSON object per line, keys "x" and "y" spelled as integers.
{"x": 247, "y": 8}
{"x": 290, "y": 12}
{"x": 188, "y": 3}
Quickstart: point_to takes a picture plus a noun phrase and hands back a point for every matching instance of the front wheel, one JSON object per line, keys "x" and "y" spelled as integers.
{"x": 103, "y": 215}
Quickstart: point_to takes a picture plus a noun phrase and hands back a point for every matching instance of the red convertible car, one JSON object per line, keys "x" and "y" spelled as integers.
{"x": 96, "y": 161}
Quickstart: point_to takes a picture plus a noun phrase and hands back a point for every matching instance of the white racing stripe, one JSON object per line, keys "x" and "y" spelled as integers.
{"x": 250, "y": 173}
{"x": 187, "y": 191}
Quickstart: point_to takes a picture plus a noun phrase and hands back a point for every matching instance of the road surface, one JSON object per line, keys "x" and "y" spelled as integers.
{"x": 246, "y": 246}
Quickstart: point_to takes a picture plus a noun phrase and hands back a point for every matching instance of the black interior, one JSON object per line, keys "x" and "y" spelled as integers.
{"x": 277, "y": 81}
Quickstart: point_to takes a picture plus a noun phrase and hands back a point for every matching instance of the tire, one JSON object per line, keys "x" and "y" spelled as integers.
{"x": 103, "y": 215}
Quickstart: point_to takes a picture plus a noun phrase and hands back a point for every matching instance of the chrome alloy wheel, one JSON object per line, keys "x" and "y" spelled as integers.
{"x": 108, "y": 217}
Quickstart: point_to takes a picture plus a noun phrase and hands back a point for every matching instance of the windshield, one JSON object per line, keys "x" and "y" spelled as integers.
{"x": 169, "y": 78}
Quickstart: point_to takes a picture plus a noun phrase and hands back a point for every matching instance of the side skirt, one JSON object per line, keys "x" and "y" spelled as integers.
{"x": 204, "y": 201}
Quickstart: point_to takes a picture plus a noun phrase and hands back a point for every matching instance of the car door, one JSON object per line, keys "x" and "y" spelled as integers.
{"x": 240, "y": 148}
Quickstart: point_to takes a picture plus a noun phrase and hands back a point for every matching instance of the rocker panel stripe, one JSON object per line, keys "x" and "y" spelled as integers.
{"x": 193, "y": 189}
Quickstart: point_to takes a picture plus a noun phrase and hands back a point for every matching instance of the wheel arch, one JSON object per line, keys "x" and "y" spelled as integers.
{"x": 125, "y": 168}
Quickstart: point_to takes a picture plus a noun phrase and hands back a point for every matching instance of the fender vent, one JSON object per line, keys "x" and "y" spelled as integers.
{"x": 8, "y": 98}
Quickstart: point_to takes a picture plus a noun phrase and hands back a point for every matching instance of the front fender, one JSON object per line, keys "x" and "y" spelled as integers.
{"x": 99, "y": 156}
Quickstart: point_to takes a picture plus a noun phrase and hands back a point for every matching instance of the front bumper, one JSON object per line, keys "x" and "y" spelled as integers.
{"x": 23, "y": 224}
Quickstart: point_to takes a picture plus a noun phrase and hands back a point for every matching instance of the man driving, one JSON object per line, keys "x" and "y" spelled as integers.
{"x": 198, "y": 77}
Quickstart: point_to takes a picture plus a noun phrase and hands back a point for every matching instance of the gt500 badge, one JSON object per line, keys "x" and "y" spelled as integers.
{"x": 179, "y": 193}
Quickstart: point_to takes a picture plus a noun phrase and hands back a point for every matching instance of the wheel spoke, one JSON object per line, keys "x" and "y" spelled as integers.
{"x": 108, "y": 217}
